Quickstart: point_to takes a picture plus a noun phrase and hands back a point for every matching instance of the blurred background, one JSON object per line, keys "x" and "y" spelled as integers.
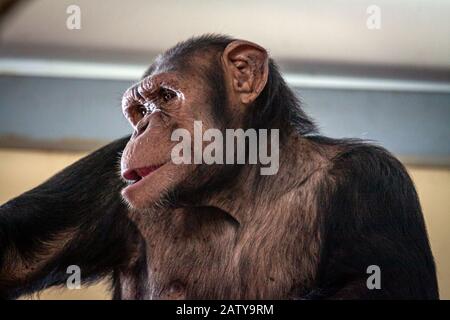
{"x": 376, "y": 69}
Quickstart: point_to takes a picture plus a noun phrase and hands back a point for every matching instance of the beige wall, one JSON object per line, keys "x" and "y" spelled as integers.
{"x": 433, "y": 186}
{"x": 22, "y": 170}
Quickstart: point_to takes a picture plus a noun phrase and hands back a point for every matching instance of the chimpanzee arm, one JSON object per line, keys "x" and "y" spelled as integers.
{"x": 75, "y": 218}
{"x": 372, "y": 216}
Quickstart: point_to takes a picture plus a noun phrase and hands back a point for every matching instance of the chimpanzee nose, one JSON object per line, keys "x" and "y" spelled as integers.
{"x": 140, "y": 128}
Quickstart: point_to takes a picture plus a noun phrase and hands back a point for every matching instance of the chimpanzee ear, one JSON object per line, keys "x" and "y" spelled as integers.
{"x": 246, "y": 67}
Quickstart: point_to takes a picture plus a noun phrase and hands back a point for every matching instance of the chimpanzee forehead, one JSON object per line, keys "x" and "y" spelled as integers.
{"x": 183, "y": 64}
{"x": 160, "y": 65}
{"x": 189, "y": 54}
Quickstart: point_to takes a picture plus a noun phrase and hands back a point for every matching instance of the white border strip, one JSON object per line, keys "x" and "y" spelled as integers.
{"x": 360, "y": 83}
{"x": 111, "y": 71}
{"x": 70, "y": 69}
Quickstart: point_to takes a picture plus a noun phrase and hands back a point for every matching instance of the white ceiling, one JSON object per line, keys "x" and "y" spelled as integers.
{"x": 413, "y": 33}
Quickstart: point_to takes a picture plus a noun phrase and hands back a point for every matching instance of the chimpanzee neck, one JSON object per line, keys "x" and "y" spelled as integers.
{"x": 299, "y": 159}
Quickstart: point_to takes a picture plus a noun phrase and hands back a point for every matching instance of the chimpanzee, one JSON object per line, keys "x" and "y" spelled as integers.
{"x": 334, "y": 210}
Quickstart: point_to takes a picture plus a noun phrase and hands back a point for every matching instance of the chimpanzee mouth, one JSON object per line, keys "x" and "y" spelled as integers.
{"x": 136, "y": 175}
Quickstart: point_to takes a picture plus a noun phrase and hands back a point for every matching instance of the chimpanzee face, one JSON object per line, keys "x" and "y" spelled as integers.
{"x": 174, "y": 96}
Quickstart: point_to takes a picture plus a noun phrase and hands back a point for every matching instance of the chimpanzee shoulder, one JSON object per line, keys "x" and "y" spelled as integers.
{"x": 370, "y": 216}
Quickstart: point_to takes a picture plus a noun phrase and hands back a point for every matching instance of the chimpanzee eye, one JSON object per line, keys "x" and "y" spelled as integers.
{"x": 167, "y": 94}
{"x": 141, "y": 110}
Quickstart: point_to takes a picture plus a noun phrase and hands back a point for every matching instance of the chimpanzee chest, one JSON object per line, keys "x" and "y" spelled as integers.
{"x": 208, "y": 255}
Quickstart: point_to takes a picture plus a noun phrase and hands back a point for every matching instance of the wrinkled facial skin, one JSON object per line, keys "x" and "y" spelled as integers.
{"x": 173, "y": 97}
{"x": 155, "y": 107}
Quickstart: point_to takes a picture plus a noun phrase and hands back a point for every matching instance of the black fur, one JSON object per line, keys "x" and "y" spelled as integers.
{"x": 83, "y": 198}
{"x": 372, "y": 216}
